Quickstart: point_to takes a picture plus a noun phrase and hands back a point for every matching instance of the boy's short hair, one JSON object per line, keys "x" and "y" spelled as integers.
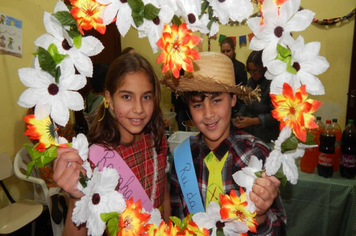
{"x": 213, "y": 72}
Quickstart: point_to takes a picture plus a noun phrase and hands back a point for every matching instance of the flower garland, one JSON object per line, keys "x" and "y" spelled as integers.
{"x": 53, "y": 84}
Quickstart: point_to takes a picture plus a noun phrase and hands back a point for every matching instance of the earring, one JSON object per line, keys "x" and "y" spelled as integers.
{"x": 106, "y": 105}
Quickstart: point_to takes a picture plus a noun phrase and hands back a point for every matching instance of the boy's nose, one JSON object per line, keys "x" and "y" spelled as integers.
{"x": 208, "y": 112}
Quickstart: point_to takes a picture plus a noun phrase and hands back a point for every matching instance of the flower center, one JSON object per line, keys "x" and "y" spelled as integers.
{"x": 296, "y": 66}
{"x": 156, "y": 20}
{"x": 240, "y": 215}
{"x": 221, "y": 0}
{"x": 220, "y": 225}
{"x": 292, "y": 111}
{"x": 53, "y": 89}
{"x": 65, "y": 45}
{"x": 95, "y": 199}
{"x": 90, "y": 9}
{"x": 278, "y": 31}
{"x": 128, "y": 226}
{"x": 176, "y": 45}
{"x": 123, "y": 1}
{"x": 191, "y": 18}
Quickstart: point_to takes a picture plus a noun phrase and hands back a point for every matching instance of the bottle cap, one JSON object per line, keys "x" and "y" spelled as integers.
{"x": 318, "y": 118}
{"x": 351, "y": 121}
{"x": 334, "y": 120}
{"x": 328, "y": 121}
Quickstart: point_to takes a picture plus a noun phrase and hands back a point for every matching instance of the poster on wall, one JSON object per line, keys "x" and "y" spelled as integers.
{"x": 10, "y": 35}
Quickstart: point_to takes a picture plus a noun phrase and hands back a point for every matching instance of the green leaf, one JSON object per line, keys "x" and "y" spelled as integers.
{"x": 77, "y": 40}
{"x": 290, "y": 144}
{"x": 281, "y": 176}
{"x": 204, "y": 6}
{"x": 310, "y": 139}
{"x": 73, "y": 32}
{"x": 138, "y": 19}
{"x": 112, "y": 220}
{"x": 29, "y": 168}
{"x": 65, "y": 18}
{"x": 46, "y": 61}
{"x": 138, "y": 11}
{"x": 285, "y": 55}
{"x": 176, "y": 21}
{"x": 53, "y": 51}
{"x": 220, "y": 232}
{"x": 83, "y": 180}
{"x": 259, "y": 173}
{"x": 151, "y": 12}
{"x": 176, "y": 221}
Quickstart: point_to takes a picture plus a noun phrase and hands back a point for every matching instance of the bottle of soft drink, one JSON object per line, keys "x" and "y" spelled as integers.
{"x": 310, "y": 159}
{"x": 338, "y": 133}
{"x": 326, "y": 151}
{"x": 321, "y": 128}
{"x": 348, "y": 151}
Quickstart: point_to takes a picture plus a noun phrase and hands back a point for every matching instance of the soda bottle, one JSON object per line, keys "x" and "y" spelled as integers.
{"x": 338, "y": 133}
{"x": 348, "y": 151}
{"x": 310, "y": 159}
{"x": 326, "y": 151}
{"x": 321, "y": 128}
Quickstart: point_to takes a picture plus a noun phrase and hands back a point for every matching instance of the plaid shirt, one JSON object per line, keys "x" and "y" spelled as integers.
{"x": 241, "y": 146}
{"x": 139, "y": 157}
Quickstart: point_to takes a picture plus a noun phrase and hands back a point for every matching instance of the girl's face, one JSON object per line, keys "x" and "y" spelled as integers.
{"x": 227, "y": 50}
{"x": 256, "y": 72}
{"x": 212, "y": 117}
{"x": 133, "y": 105}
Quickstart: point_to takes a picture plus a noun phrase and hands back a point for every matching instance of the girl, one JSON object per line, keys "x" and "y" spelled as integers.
{"x": 130, "y": 122}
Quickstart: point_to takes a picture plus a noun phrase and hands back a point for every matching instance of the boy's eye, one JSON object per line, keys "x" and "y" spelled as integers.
{"x": 216, "y": 100}
{"x": 196, "y": 105}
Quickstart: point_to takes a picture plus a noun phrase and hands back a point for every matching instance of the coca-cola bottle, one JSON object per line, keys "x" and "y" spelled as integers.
{"x": 348, "y": 151}
{"x": 338, "y": 133}
{"x": 326, "y": 151}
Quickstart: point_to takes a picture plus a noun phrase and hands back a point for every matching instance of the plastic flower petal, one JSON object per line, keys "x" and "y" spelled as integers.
{"x": 132, "y": 220}
{"x": 246, "y": 177}
{"x": 278, "y": 23}
{"x": 295, "y": 110}
{"x": 82, "y": 145}
{"x": 287, "y": 159}
{"x": 87, "y": 14}
{"x": 231, "y": 9}
{"x": 190, "y": 11}
{"x": 42, "y": 130}
{"x": 49, "y": 97}
{"x": 238, "y": 208}
{"x": 120, "y": 10}
{"x": 177, "y": 44}
{"x": 56, "y": 34}
{"x": 100, "y": 197}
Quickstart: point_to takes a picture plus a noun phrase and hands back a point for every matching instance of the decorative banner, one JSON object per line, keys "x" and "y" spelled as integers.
{"x": 221, "y": 37}
{"x": 10, "y": 35}
{"x": 333, "y": 21}
{"x": 250, "y": 36}
{"x": 242, "y": 40}
{"x": 233, "y": 39}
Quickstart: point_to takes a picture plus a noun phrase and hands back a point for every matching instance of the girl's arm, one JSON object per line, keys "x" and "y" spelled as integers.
{"x": 69, "y": 227}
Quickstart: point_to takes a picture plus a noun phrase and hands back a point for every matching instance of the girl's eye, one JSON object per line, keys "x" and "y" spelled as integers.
{"x": 126, "y": 96}
{"x": 147, "y": 97}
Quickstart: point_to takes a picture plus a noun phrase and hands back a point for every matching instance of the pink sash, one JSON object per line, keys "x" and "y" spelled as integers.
{"x": 129, "y": 185}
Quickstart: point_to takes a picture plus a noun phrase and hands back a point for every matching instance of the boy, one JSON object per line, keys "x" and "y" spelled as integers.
{"x": 210, "y": 92}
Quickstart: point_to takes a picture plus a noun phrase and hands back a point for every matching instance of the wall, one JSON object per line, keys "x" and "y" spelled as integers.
{"x": 336, "y": 42}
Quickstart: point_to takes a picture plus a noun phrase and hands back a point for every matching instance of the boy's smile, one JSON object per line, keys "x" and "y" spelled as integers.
{"x": 212, "y": 117}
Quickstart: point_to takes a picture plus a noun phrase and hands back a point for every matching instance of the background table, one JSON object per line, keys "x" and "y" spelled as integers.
{"x": 320, "y": 206}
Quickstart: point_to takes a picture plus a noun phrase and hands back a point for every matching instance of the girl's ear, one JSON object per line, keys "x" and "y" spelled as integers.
{"x": 109, "y": 100}
{"x": 233, "y": 100}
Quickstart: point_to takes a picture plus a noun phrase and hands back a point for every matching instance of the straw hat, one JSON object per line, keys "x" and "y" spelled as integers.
{"x": 213, "y": 72}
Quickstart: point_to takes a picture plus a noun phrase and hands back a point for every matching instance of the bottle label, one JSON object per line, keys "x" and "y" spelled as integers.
{"x": 349, "y": 161}
{"x": 325, "y": 159}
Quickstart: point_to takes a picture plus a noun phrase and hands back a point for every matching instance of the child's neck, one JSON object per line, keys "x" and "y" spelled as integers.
{"x": 130, "y": 140}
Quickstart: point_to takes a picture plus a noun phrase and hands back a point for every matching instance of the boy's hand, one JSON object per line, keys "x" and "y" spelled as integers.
{"x": 66, "y": 169}
{"x": 264, "y": 191}
{"x": 243, "y": 122}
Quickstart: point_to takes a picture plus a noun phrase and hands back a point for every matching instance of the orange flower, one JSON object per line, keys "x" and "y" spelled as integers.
{"x": 163, "y": 229}
{"x": 294, "y": 110}
{"x": 177, "y": 44}
{"x": 132, "y": 220}
{"x": 233, "y": 207}
{"x": 260, "y": 4}
{"x": 41, "y": 130}
{"x": 87, "y": 15}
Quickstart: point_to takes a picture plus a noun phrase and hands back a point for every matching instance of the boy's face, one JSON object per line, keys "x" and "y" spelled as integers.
{"x": 212, "y": 116}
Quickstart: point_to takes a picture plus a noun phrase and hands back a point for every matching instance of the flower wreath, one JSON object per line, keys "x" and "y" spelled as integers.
{"x": 53, "y": 84}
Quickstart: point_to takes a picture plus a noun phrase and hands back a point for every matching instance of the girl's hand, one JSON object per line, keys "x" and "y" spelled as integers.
{"x": 264, "y": 191}
{"x": 66, "y": 171}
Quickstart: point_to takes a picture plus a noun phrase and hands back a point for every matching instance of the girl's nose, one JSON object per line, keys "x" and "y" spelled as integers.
{"x": 138, "y": 108}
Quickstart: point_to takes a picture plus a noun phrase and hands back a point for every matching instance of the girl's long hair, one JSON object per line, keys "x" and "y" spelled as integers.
{"x": 106, "y": 130}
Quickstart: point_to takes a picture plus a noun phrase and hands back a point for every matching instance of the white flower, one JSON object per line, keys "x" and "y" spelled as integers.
{"x": 287, "y": 159}
{"x": 277, "y": 26}
{"x": 49, "y": 97}
{"x": 246, "y": 177}
{"x": 189, "y": 10}
{"x": 82, "y": 145}
{"x": 153, "y": 28}
{"x": 122, "y": 12}
{"x": 236, "y": 10}
{"x": 212, "y": 216}
{"x": 56, "y": 34}
{"x": 100, "y": 197}
{"x": 156, "y": 217}
{"x": 307, "y": 62}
